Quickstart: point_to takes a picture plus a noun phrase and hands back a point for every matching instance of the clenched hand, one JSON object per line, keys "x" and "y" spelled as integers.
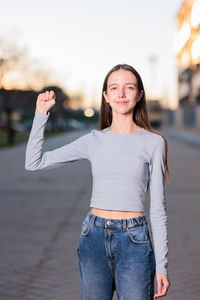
{"x": 45, "y": 101}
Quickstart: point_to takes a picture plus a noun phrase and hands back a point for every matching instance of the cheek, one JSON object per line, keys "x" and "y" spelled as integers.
{"x": 112, "y": 98}
{"x": 134, "y": 97}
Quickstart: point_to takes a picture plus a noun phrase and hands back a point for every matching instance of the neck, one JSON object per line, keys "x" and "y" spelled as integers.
{"x": 123, "y": 124}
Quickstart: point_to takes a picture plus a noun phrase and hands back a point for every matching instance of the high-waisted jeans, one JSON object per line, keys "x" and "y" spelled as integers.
{"x": 116, "y": 254}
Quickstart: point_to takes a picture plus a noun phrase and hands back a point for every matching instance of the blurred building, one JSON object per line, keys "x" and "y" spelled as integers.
{"x": 155, "y": 112}
{"x": 188, "y": 61}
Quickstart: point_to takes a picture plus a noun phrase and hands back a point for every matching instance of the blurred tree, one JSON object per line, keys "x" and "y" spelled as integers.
{"x": 9, "y": 58}
{"x": 19, "y": 77}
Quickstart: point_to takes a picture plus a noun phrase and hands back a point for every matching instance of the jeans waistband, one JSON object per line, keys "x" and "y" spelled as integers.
{"x": 115, "y": 223}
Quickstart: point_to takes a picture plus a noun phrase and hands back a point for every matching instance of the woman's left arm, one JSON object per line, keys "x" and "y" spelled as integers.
{"x": 158, "y": 214}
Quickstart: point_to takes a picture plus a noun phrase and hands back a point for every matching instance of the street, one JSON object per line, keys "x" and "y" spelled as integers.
{"x": 41, "y": 213}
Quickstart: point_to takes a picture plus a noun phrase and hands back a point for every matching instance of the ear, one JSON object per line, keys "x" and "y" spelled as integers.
{"x": 140, "y": 95}
{"x": 105, "y": 96}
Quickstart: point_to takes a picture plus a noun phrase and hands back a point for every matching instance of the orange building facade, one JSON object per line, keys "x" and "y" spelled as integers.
{"x": 188, "y": 53}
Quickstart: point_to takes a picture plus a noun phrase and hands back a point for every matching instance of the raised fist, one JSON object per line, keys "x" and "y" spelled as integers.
{"x": 45, "y": 101}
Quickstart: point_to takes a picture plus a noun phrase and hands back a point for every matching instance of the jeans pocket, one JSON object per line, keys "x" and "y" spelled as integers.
{"x": 139, "y": 234}
{"x": 85, "y": 228}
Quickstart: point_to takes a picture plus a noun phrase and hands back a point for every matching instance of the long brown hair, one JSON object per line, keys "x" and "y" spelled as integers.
{"x": 140, "y": 114}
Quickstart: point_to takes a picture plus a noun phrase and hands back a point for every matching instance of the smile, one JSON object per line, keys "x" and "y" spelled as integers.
{"x": 122, "y": 102}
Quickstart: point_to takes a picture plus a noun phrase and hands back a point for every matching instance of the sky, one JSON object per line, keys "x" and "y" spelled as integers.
{"x": 79, "y": 41}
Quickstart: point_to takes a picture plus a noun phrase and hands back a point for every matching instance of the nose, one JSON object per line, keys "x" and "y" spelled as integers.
{"x": 121, "y": 92}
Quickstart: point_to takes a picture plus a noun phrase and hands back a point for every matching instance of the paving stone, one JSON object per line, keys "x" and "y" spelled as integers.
{"x": 41, "y": 214}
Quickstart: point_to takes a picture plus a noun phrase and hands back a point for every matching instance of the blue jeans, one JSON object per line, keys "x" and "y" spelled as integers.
{"x": 116, "y": 254}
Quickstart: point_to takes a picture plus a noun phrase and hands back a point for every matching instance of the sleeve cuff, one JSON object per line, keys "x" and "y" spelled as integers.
{"x": 161, "y": 270}
{"x": 42, "y": 116}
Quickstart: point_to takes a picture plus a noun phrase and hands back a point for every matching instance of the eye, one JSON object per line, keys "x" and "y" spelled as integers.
{"x": 113, "y": 88}
{"x": 131, "y": 88}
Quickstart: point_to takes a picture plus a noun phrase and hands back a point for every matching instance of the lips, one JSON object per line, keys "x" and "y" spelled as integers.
{"x": 122, "y": 102}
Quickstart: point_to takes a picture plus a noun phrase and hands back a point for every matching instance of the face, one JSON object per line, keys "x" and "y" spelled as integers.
{"x": 122, "y": 91}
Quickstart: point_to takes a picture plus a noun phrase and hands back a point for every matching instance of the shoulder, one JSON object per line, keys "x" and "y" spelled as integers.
{"x": 152, "y": 139}
{"x": 151, "y": 136}
{"x": 91, "y": 134}
{"x": 153, "y": 142}
{"x": 97, "y": 132}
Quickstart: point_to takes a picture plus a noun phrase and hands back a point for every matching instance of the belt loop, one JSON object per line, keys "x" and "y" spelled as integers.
{"x": 124, "y": 224}
{"x": 93, "y": 220}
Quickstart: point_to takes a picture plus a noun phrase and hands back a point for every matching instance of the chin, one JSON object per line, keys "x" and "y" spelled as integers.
{"x": 123, "y": 110}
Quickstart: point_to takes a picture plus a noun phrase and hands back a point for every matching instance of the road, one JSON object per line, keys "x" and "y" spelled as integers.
{"x": 41, "y": 214}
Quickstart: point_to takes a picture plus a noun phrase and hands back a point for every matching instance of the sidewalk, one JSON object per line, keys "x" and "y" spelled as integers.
{"x": 186, "y": 134}
{"x": 40, "y": 221}
{"x": 41, "y": 214}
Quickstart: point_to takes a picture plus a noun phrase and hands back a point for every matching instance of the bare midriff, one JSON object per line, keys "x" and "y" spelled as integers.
{"x": 115, "y": 214}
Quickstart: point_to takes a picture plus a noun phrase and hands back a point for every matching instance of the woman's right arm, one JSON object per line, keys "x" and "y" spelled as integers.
{"x": 36, "y": 159}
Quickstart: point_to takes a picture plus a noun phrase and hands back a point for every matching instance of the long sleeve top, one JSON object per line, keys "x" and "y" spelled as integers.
{"x": 122, "y": 167}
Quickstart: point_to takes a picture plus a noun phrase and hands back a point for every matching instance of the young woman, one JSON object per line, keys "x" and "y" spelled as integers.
{"x": 128, "y": 157}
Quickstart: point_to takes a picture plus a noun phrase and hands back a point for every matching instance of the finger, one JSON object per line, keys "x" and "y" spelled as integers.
{"x": 165, "y": 288}
{"x": 47, "y": 96}
{"x": 160, "y": 294}
{"x": 52, "y": 94}
{"x": 43, "y": 97}
{"x": 156, "y": 296}
{"x": 159, "y": 286}
{"x": 40, "y": 97}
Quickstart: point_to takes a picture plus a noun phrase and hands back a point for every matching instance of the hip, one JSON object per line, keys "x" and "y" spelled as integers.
{"x": 114, "y": 214}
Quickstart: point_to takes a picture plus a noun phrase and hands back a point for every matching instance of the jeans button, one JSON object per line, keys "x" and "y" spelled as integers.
{"x": 109, "y": 223}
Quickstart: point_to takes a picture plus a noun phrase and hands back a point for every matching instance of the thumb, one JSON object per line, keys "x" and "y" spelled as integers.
{"x": 160, "y": 286}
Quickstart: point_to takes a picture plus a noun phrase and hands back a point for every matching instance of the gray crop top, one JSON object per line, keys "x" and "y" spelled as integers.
{"x": 122, "y": 166}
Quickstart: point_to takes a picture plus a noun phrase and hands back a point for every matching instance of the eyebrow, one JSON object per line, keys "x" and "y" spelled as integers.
{"x": 126, "y": 84}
